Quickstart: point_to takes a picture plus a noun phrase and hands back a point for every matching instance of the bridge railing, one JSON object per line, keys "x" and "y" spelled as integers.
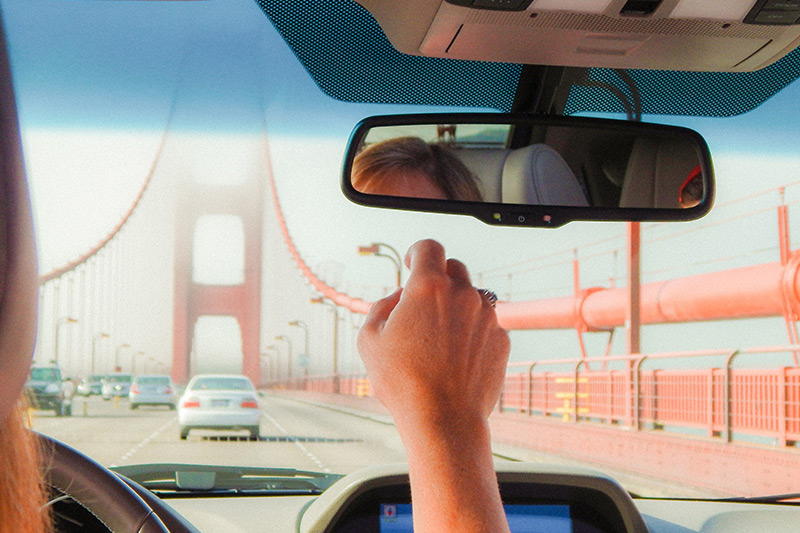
{"x": 722, "y": 402}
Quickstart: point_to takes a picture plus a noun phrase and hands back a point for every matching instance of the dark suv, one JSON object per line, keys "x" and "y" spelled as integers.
{"x": 45, "y": 390}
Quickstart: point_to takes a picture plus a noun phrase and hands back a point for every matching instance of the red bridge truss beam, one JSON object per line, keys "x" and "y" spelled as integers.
{"x": 748, "y": 292}
{"x": 766, "y": 290}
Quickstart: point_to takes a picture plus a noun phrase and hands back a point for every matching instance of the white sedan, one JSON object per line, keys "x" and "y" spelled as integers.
{"x": 219, "y": 401}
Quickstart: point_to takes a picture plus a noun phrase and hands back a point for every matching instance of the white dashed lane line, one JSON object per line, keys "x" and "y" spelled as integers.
{"x": 297, "y": 443}
{"x": 144, "y": 442}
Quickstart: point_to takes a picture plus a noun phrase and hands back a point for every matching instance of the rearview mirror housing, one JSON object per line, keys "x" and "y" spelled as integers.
{"x": 523, "y": 170}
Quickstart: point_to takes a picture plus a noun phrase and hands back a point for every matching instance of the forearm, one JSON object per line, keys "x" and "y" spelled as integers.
{"x": 453, "y": 482}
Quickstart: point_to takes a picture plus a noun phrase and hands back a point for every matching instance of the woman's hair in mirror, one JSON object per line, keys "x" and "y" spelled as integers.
{"x": 410, "y": 156}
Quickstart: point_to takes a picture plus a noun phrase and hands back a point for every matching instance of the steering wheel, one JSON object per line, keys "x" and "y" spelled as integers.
{"x": 97, "y": 489}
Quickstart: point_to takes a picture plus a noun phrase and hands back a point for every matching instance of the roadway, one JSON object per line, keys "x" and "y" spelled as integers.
{"x": 294, "y": 434}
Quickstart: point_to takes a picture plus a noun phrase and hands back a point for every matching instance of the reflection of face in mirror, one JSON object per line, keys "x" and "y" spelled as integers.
{"x": 410, "y": 167}
{"x": 691, "y": 193}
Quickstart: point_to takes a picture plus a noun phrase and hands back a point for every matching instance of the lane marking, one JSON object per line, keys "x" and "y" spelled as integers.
{"x": 297, "y": 443}
{"x": 144, "y": 442}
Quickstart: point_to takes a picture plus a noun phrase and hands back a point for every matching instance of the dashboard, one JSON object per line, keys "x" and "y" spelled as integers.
{"x": 537, "y": 498}
{"x": 590, "y": 501}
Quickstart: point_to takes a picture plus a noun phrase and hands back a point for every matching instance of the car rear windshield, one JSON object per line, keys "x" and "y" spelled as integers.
{"x": 221, "y": 384}
{"x": 119, "y": 379}
{"x": 153, "y": 380}
{"x": 46, "y": 374}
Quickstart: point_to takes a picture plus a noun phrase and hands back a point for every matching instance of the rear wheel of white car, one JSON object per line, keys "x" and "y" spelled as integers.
{"x": 184, "y": 433}
{"x": 255, "y": 432}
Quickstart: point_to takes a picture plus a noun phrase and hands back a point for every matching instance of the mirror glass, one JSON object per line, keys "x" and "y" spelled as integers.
{"x": 520, "y": 166}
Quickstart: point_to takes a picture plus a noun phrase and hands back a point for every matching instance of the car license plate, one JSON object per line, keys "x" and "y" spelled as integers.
{"x": 219, "y": 403}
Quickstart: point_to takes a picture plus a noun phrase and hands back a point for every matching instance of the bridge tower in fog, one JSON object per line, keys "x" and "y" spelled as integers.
{"x": 193, "y": 300}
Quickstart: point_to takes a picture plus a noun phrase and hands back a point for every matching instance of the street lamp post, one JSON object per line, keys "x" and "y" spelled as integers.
{"x": 322, "y": 300}
{"x": 301, "y": 324}
{"x": 393, "y": 256}
{"x": 133, "y": 361}
{"x": 274, "y": 376}
{"x": 96, "y": 338}
{"x": 61, "y": 321}
{"x": 288, "y": 355}
{"x": 116, "y": 356}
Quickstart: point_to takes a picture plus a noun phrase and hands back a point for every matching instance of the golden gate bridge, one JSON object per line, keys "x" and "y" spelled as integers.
{"x": 671, "y": 414}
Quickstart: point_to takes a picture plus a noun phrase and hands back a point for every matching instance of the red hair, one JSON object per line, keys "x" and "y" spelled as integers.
{"x": 22, "y": 490}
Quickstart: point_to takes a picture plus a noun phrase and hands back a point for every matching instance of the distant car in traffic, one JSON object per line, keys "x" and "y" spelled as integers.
{"x": 45, "y": 390}
{"x": 116, "y": 385}
{"x": 219, "y": 402}
{"x": 152, "y": 390}
{"x": 91, "y": 386}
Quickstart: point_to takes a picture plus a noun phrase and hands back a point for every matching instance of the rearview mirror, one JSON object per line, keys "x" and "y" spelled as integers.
{"x": 523, "y": 170}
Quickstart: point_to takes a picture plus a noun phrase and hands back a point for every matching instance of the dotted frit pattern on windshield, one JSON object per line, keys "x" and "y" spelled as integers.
{"x": 343, "y": 48}
{"x": 347, "y": 54}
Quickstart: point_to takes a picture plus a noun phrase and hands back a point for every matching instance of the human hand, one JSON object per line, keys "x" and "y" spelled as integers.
{"x": 434, "y": 351}
{"x": 436, "y": 358}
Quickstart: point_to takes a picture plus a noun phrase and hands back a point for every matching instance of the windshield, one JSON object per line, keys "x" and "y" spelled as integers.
{"x": 184, "y": 170}
{"x": 199, "y": 384}
{"x": 45, "y": 374}
{"x": 119, "y": 379}
{"x": 153, "y": 380}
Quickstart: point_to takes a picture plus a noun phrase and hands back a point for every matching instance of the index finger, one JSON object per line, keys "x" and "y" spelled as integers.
{"x": 426, "y": 256}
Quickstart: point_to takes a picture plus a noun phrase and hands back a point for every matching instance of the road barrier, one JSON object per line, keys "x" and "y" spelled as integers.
{"x": 724, "y": 402}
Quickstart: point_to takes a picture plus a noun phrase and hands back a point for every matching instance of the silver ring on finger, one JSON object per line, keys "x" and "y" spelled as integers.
{"x": 490, "y": 296}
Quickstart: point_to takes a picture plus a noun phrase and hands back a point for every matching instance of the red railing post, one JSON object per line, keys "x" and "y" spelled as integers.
{"x": 727, "y": 391}
{"x": 530, "y": 389}
{"x": 609, "y": 395}
{"x": 575, "y": 390}
{"x": 545, "y": 408}
{"x": 710, "y": 402}
{"x": 781, "y": 401}
{"x": 637, "y": 393}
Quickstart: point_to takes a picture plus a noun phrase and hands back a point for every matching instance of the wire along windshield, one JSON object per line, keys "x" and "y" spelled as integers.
{"x": 45, "y": 374}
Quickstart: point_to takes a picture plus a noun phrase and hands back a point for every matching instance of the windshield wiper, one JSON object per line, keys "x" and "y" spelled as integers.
{"x": 181, "y": 479}
{"x": 775, "y": 498}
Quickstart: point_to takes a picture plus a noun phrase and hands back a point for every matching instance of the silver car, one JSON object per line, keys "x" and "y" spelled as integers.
{"x": 152, "y": 390}
{"x": 219, "y": 401}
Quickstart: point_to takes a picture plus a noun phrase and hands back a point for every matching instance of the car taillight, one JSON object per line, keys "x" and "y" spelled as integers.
{"x": 167, "y": 390}
{"x": 135, "y": 389}
{"x": 191, "y": 402}
{"x": 250, "y": 404}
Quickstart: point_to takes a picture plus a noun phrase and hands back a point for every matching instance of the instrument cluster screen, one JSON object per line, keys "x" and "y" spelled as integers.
{"x": 396, "y": 518}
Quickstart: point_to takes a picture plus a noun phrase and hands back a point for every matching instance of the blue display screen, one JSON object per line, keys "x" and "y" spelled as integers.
{"x": 396, "y": 518}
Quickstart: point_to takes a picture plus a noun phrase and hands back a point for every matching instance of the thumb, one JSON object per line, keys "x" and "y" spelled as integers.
{"x": 379, "y": 312}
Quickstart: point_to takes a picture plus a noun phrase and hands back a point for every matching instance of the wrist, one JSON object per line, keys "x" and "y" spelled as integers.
{"x": 454, "y": 435}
